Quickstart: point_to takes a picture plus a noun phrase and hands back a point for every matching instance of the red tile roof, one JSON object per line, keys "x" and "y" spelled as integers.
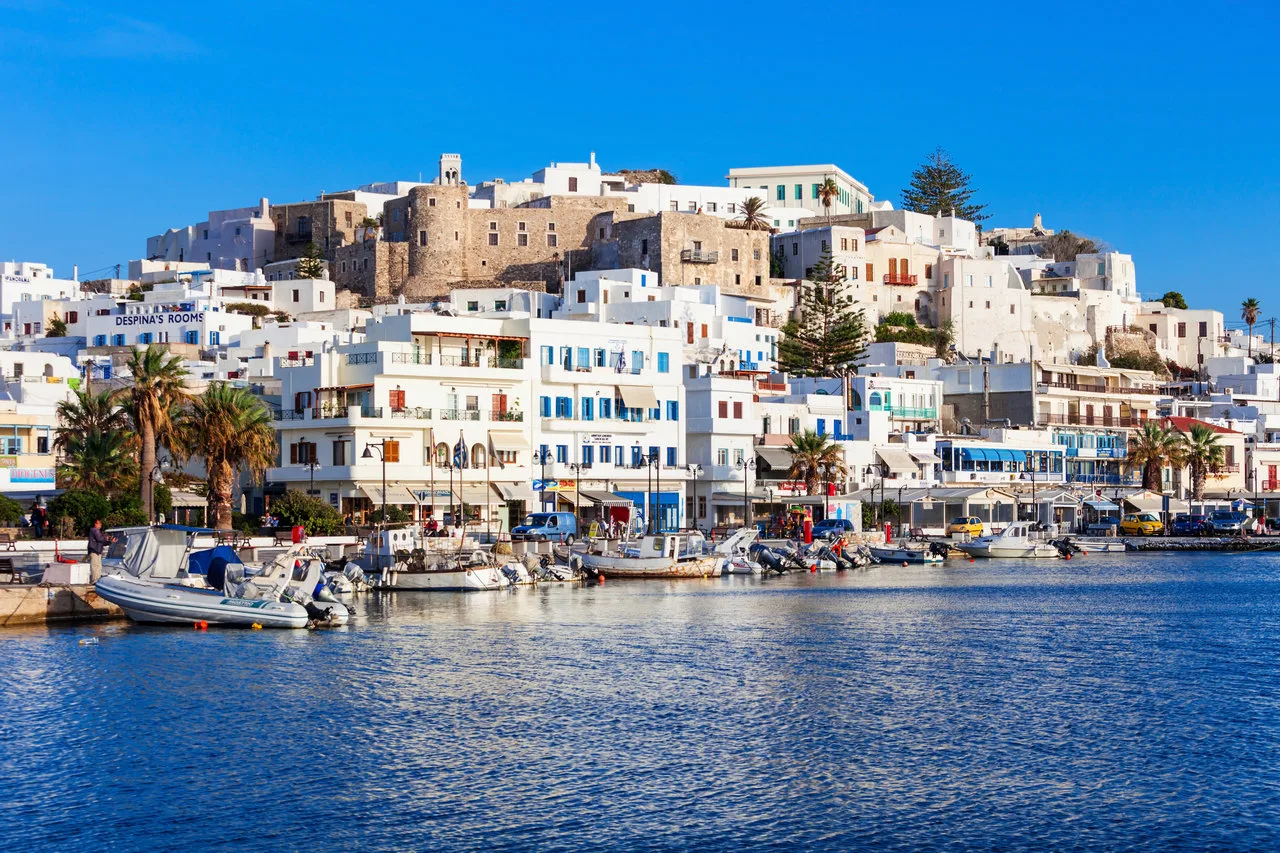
{"x": 1185, "y": 424}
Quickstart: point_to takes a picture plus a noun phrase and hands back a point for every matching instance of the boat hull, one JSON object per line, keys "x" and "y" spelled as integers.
{"x": 653, "y": 567}
{"x": 1011, "y": 552}
{"x": 175, "y": 604}
{"x": 904, "y": 555}
{"x": 449, "y": 580}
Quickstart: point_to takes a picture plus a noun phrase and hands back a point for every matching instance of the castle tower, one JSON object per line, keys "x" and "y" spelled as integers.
{"x": 450, "y": 169}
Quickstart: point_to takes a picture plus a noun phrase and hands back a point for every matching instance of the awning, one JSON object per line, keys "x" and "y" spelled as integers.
{"x": 397, "y": 495}
{"x": 476, "y": 494}
{"x": 778, "y": 458}
{"x": 512, "y": 441}
{"x": 514, "y": 493}
{"x": 637, "y": 396}
{"x": 899, "y": 461}
{"x": 187, "y": 499}
{"x": 1102, "y": 506}
{"x": 925, "y": 458}
{"x": 604, "y": 498}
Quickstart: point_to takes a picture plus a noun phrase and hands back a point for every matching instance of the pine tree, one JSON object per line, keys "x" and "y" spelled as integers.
{"x": 831, "y": 334}
{"x": 311, "y": 264}
{"x": 938, "y": 185}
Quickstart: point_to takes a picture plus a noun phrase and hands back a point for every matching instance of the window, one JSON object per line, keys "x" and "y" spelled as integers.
{"x": 671, "y": 457}
{"x": 582, "y": 296}
{"x": 499, "y": 305}
{"x": 573, "y": 185}
{"x": 722, "y": 456}
{"x": 564, "y": 407}
{"x": 562, "y": 453}
{"x": 295, "y": 296}
{"x": 1102, "y": 268}
{"x": 588, "y": 455}
{"x": 822, "y": 426}
{"x": 552, "y": 241}
{"x": 42, "y": 444}
{"x": 522, "y": 239}
{"x": 1204, "y": 330}
{"x": 723, "y": 408}
{"x": 928, "y": 270}
{"x": 733, "y": 254}
{"x": 795, "y": 249}
{"x": 606, "y": 408}
{"x": 675, "y": 207}
{"x": 800, "y": 191}
{"x": 737, "y": 410}
{"x": 588, "y": 409}
{"x": 871, "y": 272}
{"x": 782, "y": 192}
{"x": 1011, "y": 309}
{"x": 664, "y": 362}
{"x": 813, "y": 191}
{"x": 396, "y": 399}
{"x": 584, "y": 357}
{"x": 673, "y": 410}
{"x": 544, "y": 406}
{"x": 637, "y": 361}
{"x": 600, "y": 358}
{"x": 422, "y": 237}
{"x": 348, "y": 218}
{"x": 493, "y": 239}
{"x": 73, "y": 316}
{"x": 215, "y": 339}
{"x": 551, "y": 226}
{"x": 548, "y": 356}
{"x": 340, "y": 451}
{"x": 101, "y": 340}
{"x": 1182, "y": 330}
{"x": 988, "y": 303}
{"x": 473, "y": 305}
{"x": 793, "y": 425}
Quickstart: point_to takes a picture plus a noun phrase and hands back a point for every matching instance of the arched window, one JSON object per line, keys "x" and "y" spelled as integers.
{"x": 477, "y": 456}
{"x": 874, "y": 400}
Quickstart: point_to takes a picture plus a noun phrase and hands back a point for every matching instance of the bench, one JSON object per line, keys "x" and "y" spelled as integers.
{"x": 6, "y": 568}
{"x": 234, "y": 539}
{"x": 8, "y": 542}
{"x": 283, "y": 536}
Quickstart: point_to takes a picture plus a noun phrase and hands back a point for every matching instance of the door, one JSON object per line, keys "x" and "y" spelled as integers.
{"x": 499, "y": 404}
{"x": 893, "y": 268}
{"x": 689, "y": 333}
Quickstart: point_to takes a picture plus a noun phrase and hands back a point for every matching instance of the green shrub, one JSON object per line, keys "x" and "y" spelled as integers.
{"x": 294, "y": 507}
{"x": 898, "y": 318}
{"x": 80, "y": 508}
{"x": 10, "y": 511}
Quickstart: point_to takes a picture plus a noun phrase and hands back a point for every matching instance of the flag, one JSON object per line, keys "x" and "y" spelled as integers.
{"x": 460, "y": 453}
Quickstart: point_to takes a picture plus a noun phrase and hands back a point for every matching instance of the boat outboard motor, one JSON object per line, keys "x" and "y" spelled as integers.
{"x": 767, "y": 558}
{"x": 580, "y": 569}
{"x": 512, "y": 576}
{"x": 940, "y": 549}
{"x": 216, "y": 574}
{"x": 1065, "y": 546}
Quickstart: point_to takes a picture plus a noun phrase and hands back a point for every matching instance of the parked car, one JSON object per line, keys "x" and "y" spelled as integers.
{"x": 547, "y": 527}
{"x": 1188, "y": 525}
{"x": 831, "y": 528}
{"x": 970, "y": 524}
{"x": 1141, "y": 524}
{"x": 1228, "y": 522}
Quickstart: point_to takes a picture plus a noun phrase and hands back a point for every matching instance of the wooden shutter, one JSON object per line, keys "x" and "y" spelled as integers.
{"x": 293, "y": 454}
{"x": 737, "y": 410}
{"x": 724, "y": 409}
{"x": 393, "y": 451}
{"x": 397, "y": 400}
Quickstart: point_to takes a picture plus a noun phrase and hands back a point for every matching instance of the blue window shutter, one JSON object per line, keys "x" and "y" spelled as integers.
{"x": 546, "y": 407}
{"x": 671, "y": 457}
{"x": 587, "y": 409}
{"x": 822, "y": 426}
{"x": 548, "y": 355}
{"x": 664, "y": 362}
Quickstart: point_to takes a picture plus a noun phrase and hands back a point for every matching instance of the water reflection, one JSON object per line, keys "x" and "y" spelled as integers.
{"x": 1107, "y": 702}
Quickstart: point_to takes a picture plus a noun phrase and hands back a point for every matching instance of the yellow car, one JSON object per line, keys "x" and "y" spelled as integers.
{"x": 1141, "y": 524}
{"x": 966, "y": 524}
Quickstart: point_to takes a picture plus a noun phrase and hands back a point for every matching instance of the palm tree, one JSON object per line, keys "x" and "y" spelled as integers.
{"x": 753, "y": 217}
{"x": 86, "y": 412}
{"x": 1201, "y": 453}
{"x": 814, "y": 456}
{"x": 1249, "y": 313}
{"x": 150, "y": 399}
{"x": 1151, "y": 448}
{"x": 231, "y": 430}
{"x": 828, "y": 192}
{"x": 97, "y": 461}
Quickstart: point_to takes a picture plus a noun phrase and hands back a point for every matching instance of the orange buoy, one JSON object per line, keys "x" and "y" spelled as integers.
{"x": 971, "y": 559}
{"x": 600, "y": 579}
{"x": 1068, "y": 556}
{"x": 1085, "y": 553}
{"x": 904, "y": 564}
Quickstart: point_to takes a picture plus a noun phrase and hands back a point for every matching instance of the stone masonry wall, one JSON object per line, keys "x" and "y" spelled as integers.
{"x": 658, "y": 242}
{"x": 375, "y": 269}
{"x": 333, "y": 223}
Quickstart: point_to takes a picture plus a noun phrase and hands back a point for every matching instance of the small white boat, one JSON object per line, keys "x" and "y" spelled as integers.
{"x": 1101, "y": 546}
{"x": 1016, "y": 540}
{"x": 735, "y": 550}
{"x": 659, "y": 555}
{"x": 903, "y": 553}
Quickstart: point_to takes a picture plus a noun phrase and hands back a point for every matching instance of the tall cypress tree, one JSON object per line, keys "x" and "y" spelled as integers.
{"x": 311, "y": 264}
{"x": 831, "y": 334}
{"x": 937, "y": 184}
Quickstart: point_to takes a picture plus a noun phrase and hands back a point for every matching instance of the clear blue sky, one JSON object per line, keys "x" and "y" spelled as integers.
{"x": 1153, "y": 127}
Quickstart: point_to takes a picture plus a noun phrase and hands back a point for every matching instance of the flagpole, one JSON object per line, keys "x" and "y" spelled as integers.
{"x": 488, "y": 486}
{"x": 431, "y": 432}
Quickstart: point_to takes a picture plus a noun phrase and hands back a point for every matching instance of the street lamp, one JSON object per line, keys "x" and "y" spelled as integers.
{"x": 157, "y": 479}
{"x": 695, "y": 471}
{"x": 312, "y": 465}
{"x": 576, "y": 468}
{"x": 542, "y": 457}
{"x": 869, "y": 472}
{"x": 651, "y": 462}
{"x": 746, "y": 466}
{"x": 382, "y": 454}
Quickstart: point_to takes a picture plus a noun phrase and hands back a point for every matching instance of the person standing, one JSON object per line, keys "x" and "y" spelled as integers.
{"x": 38, "y": 519}
{"x": 97, "y": 547}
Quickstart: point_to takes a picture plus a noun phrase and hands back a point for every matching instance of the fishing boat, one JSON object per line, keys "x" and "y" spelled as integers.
{"x": 1016, "y": 540}
{"x": 402, "y": 559}
{"x": 658, "y": 555}
{"x": 146, "y": 586}
{"x": 904, "y": 553}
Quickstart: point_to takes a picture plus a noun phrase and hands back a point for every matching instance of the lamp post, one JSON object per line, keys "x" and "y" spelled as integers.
{"x": 695, "y": 471}
{"x": 312, "y": 465}
{"x": 157, "y": 479}
{"x": 869, "y": 472}
{"x": 769, "y": 491}
{"x": 576, "y": 468}
{"x": 542, "y": 457}
{"x": 746, "y": 466}
{"x": 382, "y": 454}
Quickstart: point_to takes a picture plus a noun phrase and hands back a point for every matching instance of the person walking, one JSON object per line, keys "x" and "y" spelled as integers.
{"x": 97, "y": 547}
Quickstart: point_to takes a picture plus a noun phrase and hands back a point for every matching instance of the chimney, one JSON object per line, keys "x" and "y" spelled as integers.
{"x": 1036, "y": 224}
{"x": 593, "y": 159}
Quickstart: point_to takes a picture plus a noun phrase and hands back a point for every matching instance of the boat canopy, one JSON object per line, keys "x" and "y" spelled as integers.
{"x": 155, "y": 551}
{"x": 1102, "y": 505}
{"x": 199, "y": 561}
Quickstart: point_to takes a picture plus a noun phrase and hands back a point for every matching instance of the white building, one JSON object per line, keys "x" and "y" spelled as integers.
{"x": 988, "y": 305}
{"x": 241, "y": 238}
{"x": 797, "y": 186}
{"x": 28, "y": 282}
{"x": 1185, "y": 336}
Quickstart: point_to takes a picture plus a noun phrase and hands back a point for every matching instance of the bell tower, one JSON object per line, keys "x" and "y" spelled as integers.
{"x": 450, "y": 170}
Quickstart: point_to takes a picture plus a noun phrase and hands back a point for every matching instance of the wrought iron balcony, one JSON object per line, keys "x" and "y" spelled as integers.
{"x": 362, "y": 358}
{"x": 694, "y": 256}
{"x": 899, "y": 278}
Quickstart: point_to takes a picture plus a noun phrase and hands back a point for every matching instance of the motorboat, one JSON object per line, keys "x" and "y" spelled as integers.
{"x": 145, "y": 585}
{"x": 657, "y": 555}
{"x": 904, "y": 553}
{"x": 1019, "y": 539}
{"x": 735, "y": 551}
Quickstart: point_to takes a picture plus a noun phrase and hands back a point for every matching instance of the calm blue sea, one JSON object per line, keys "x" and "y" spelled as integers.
{"x": 1107, "y": 703}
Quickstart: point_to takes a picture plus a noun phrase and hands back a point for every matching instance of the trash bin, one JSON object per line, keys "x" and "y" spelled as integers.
{"x": 299, "y": 534}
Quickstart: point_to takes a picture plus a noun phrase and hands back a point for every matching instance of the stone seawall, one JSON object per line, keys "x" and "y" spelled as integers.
{"x": 38, "y": 605}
